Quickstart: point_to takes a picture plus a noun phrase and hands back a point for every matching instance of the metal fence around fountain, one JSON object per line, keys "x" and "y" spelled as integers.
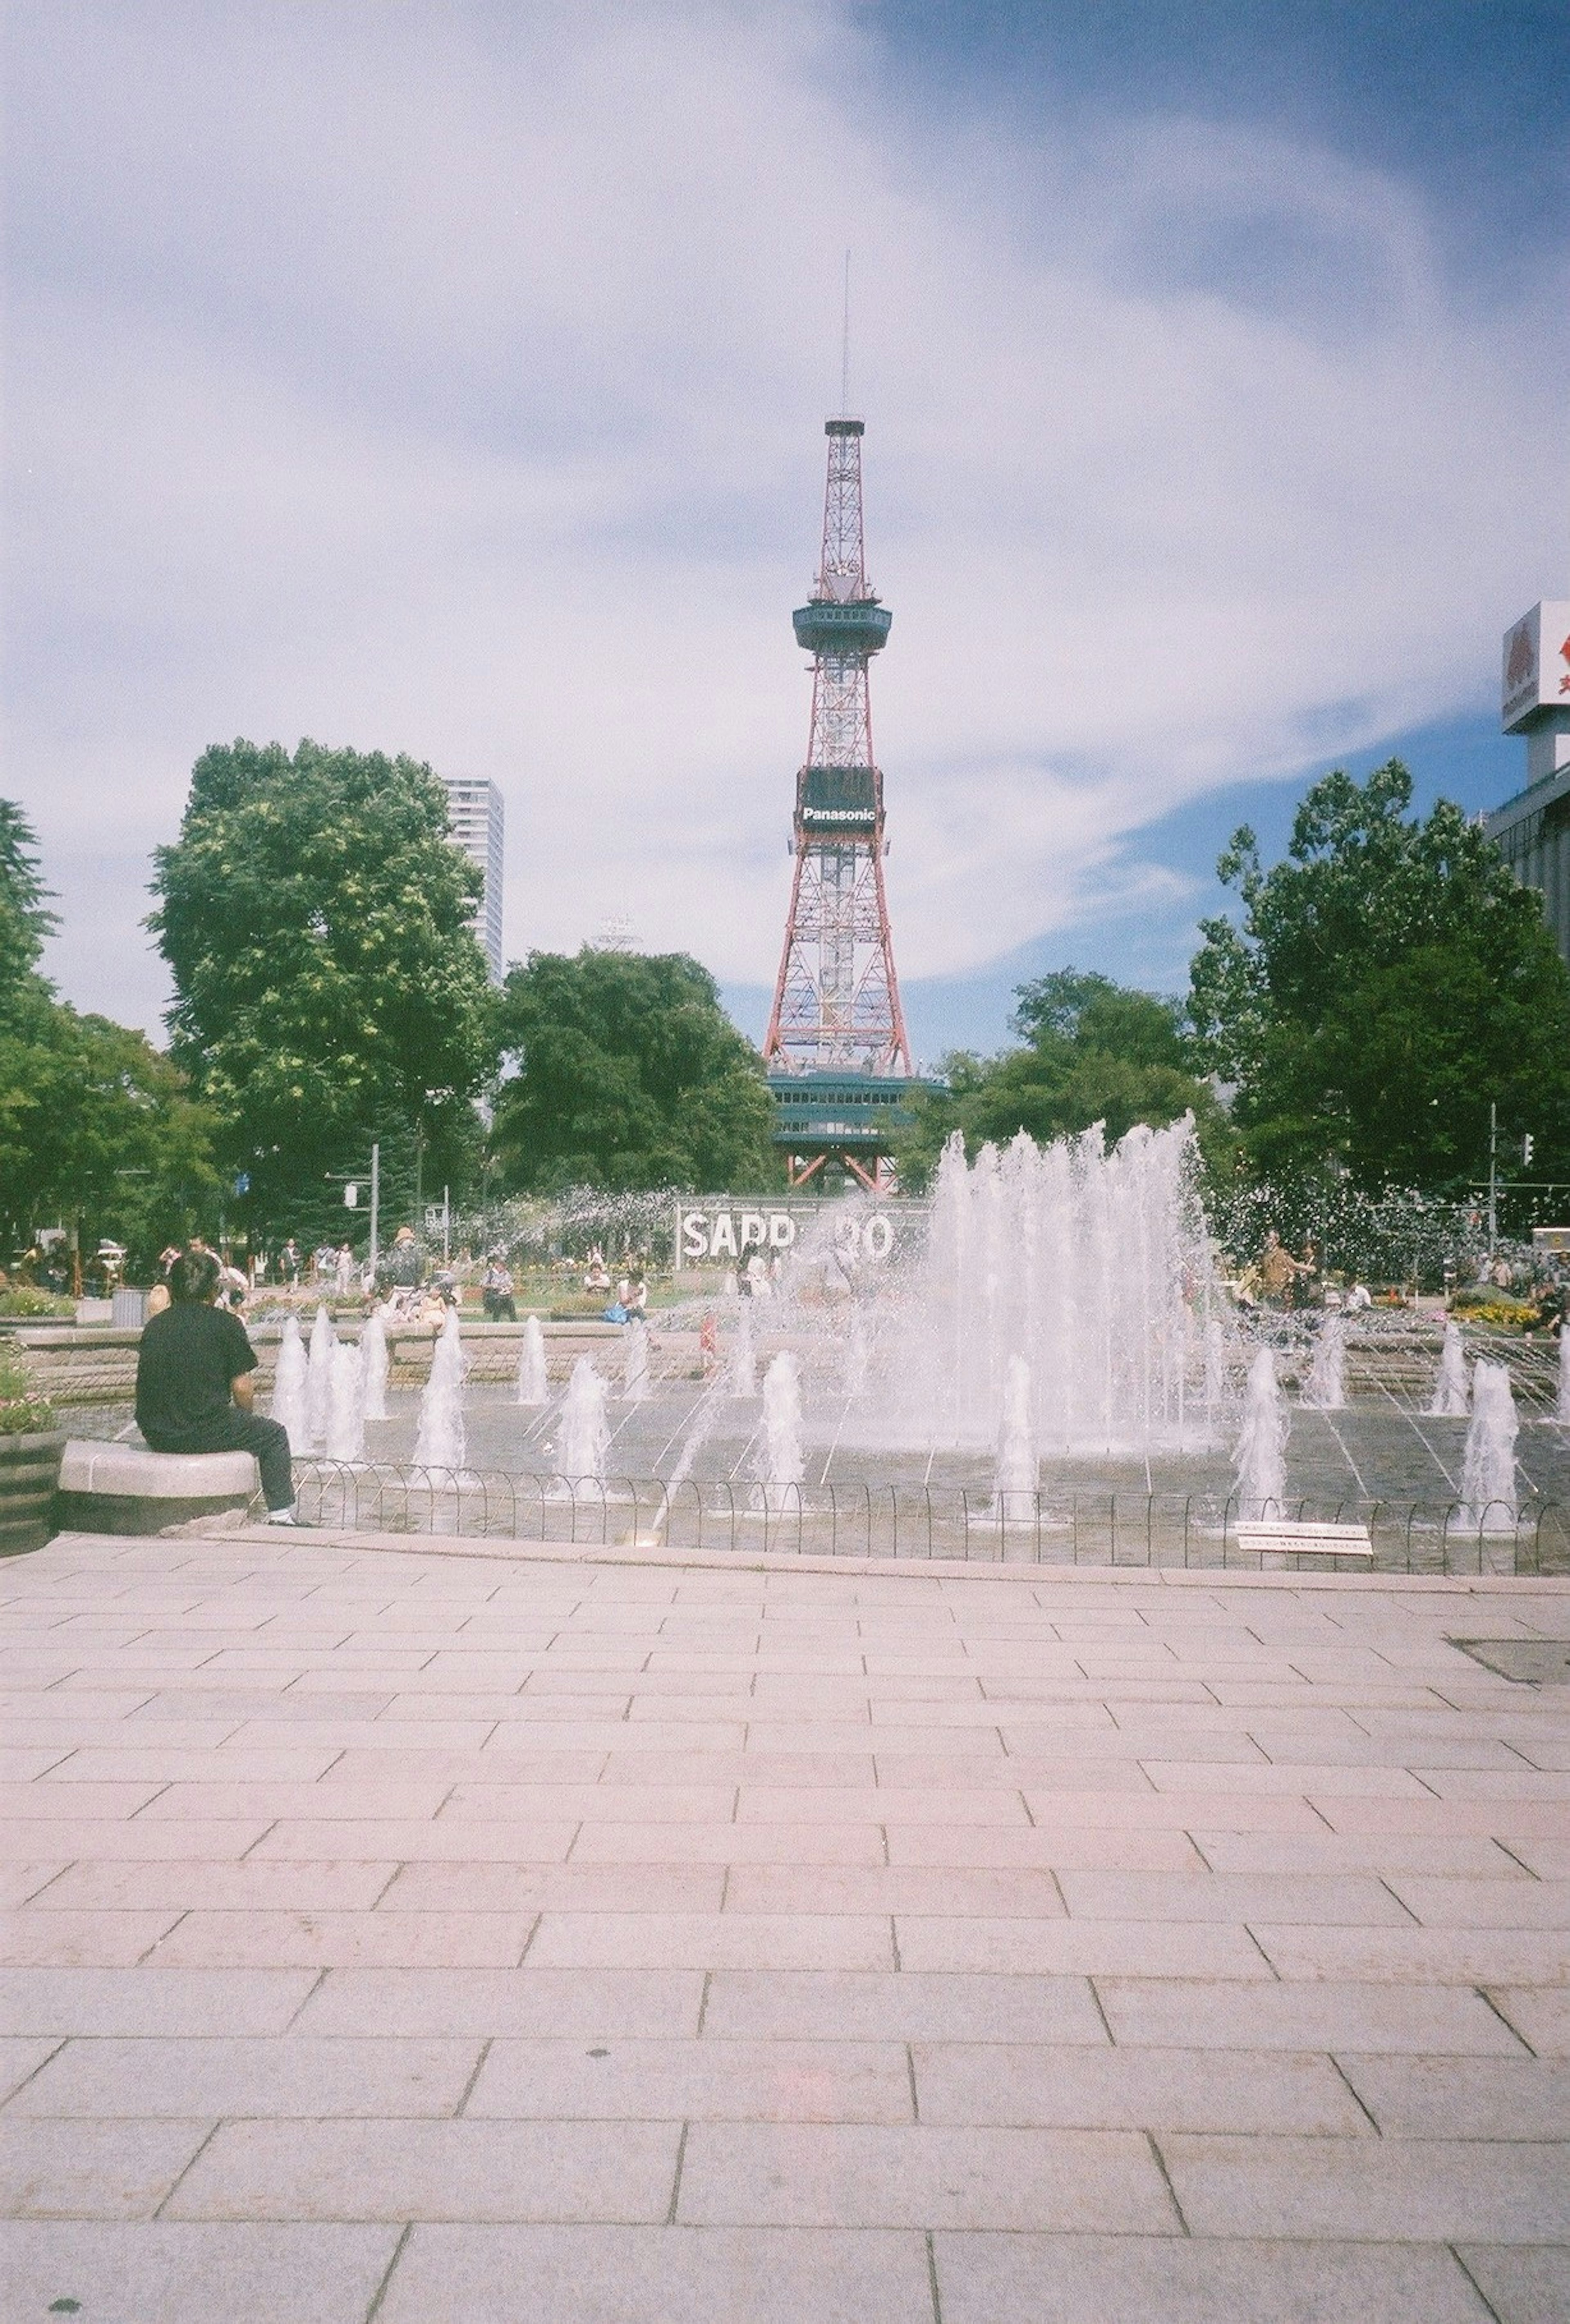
{"x": 920, "y": 1522}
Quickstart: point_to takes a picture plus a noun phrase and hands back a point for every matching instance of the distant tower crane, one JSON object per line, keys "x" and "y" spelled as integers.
{"x": 836, "y": 1046}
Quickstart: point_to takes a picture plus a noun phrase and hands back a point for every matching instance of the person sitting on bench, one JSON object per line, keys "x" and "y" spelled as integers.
{"x": 194, "y": 1389}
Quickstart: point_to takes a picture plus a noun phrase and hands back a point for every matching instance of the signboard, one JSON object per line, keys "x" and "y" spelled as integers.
{"x": 723, "y": 1231}
{"x": 1535, "y": 674}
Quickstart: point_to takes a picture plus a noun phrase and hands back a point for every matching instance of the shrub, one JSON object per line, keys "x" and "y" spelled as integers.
{"x": 25, "y": 1410}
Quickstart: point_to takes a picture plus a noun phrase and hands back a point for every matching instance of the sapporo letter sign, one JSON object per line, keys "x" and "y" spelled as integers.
{"x": 724, "y": 1233}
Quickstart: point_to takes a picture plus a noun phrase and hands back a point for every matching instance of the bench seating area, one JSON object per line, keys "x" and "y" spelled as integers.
{"x": 1281, "y": 1536}
{"x": 125, "y": 1488}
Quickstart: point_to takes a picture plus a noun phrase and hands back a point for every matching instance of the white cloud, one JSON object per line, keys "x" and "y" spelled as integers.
{"x": 449, "y": 379}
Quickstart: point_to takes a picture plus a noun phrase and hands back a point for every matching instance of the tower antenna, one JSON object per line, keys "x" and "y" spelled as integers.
{"x": 845, "y": 348}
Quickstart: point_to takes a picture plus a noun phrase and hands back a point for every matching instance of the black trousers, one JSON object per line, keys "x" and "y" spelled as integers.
{"x": 239, "y": 1432}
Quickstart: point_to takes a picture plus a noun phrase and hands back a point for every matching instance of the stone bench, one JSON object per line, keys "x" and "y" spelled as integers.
{"x": 1280, "y": 1537}
{"x": 126, "y": 1489}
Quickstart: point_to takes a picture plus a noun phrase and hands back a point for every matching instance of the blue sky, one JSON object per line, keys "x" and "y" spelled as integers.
{"x": 449, "y": 377}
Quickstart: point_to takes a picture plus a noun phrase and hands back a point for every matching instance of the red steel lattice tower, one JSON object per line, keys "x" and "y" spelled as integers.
{"x": 836, "y": 1000}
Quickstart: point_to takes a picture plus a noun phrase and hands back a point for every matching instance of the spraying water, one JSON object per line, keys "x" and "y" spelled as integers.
{"x": 1081, "y": 1261}
{"x": 635, "y": 1362}
{"x": 533, "y": 1384}
{"x": 1014, "y": 1494}
{"x": 439, "y": 1443}
{"x": 290, "y": 1408}
{"x": 345, "y": 1435}
{"x": 1261, "y": 1449}
{"x": 1215, "y": 1373}
{"x": 1561, "y": 1409}
{"x": 374, "y": 1350}
{"x": 745, "y": 1356}
{"x": 780, "y": 1464}
{"x": 858, "y": 1353}
{"x": 319, "y": 1393}
{"x": 1326, "y": 1388}
{"x": 1450, "y": 1394}
{"x": 583, "y": 1435}
{"x": 1487, "y": 1472}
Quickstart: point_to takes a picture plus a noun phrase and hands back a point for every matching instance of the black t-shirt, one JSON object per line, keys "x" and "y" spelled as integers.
{"x": 188, "y": 1358}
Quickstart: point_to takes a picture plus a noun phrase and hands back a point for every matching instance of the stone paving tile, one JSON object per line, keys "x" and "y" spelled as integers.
{"x": 1445, "y": 2020}
{"x": 661, "y": 2275}
{"x": 728, "y": 1940}
{"x": 1526, "y": 2286}
{"x": 1081, "y": 1948}
{"x": 1542, "y": 2018}
{"x": 398, "y": 2168}
{"x": 39, "y": 1937}
{"x": 777, "y": 1803}
{"x": 558, "y": 1888}
{"x": 715, "y": 2080}
{"x": 1472, "y": 2097}
{"x": 143, "y": 1762}
{"x": 20, "y": 2058}
{"x": 1448, "y": 1956}
{"x": 133, "y": 1842}
{"x": 157, "y": 2273}
{"x": 985, "y": 2279}
{"x": 40, "y": 1799}
{"x": 728, "y": 1843}
{"x": 1002, "y": 1848}
{"x": 130, "y": 2001}
{"x": 1030, "y": 1894}
{"x": 69, "y": 2170}
{"x": 1325, "y": 1853}
{"x": 293, "y": 2074}
{"x": 597, "y": 2004}
{"x": 1381, "y": 2190}
{"x": 769, "y": 2174}
{"x": 1484, "y": 1904}
{"x": 308, "y": 1886}
{"x": 390, "y": 1940}
{"x": 1057, "y": 2086}
{"x": 1199, "y": 1896}
{"x": 913, "y": 2006}
{"x": 437, "y": 1840}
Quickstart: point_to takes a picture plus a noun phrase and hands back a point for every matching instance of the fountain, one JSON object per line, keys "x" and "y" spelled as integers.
{"x": 1562, "y": 1406}
{"x": 346, "y": 1433}
{"x": 1214, "y": 1374}
{"x": 1487, "y": 1471}
{"x": 583, "y": 1435}
{"x": 374, "y": 1350}
{"x": 744, "y": 1355}
{"x": 533, "y": 1382}
{"x": 1450, "y": 1397}
{"x": 1261, "y": 1448}
{"x": 635, "y": 1362}
{"x": 290, "y": 1408}
{"x": 1326, "y": 1388}
{"x": 319, "y": 1379}
{"x": 439, "y": 1443}
{"x": 1081, "y": 1261}
{"x": 1018, "y": 1470}
{"x": 779, "y": 1463}
{"x": 858, "y": 1354}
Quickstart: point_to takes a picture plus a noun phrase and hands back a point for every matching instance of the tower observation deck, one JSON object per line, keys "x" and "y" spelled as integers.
{"x": 836, "y": 1030}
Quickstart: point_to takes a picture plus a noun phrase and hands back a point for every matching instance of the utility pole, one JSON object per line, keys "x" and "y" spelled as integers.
{"x": 446, "y": 1225}
{"x": 1492, "y": 1180}
{"x": 375, "y": 1204}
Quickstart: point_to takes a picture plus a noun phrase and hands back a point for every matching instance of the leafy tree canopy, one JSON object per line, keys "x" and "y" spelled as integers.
{"x": 1094, "y": 1051}
{"x": 1388, "y": 980}
{"x": 629, "y": 1074}
{"x": 96, "y": 1128}
{"x": 327, "y": 988}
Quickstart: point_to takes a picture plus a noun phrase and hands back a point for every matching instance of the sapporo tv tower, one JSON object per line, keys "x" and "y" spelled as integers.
{"x": 837, "y": 1051}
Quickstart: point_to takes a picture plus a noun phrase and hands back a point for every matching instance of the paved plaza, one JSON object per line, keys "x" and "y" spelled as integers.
{"x": 518, "y": 1939}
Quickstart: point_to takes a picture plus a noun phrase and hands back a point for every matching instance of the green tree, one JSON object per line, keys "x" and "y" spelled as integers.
{"x": 628, "y": 1074}
{"x": 313, "y": 914}
{"x": 1093, "y": 1051}
{"x": 1387, "y": 982}
{"x": 96, "y": 1128}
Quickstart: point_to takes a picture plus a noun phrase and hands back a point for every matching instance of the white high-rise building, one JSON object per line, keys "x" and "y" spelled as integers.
{"x": 1532, "y": 830}
{"x": 475, "y": 813}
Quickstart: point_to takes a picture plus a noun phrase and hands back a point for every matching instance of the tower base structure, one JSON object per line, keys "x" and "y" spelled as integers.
{"x": 835, "y": 1126}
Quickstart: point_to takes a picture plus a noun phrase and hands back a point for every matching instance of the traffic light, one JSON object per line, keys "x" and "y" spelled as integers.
{"x": 1527, "y": 1151}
